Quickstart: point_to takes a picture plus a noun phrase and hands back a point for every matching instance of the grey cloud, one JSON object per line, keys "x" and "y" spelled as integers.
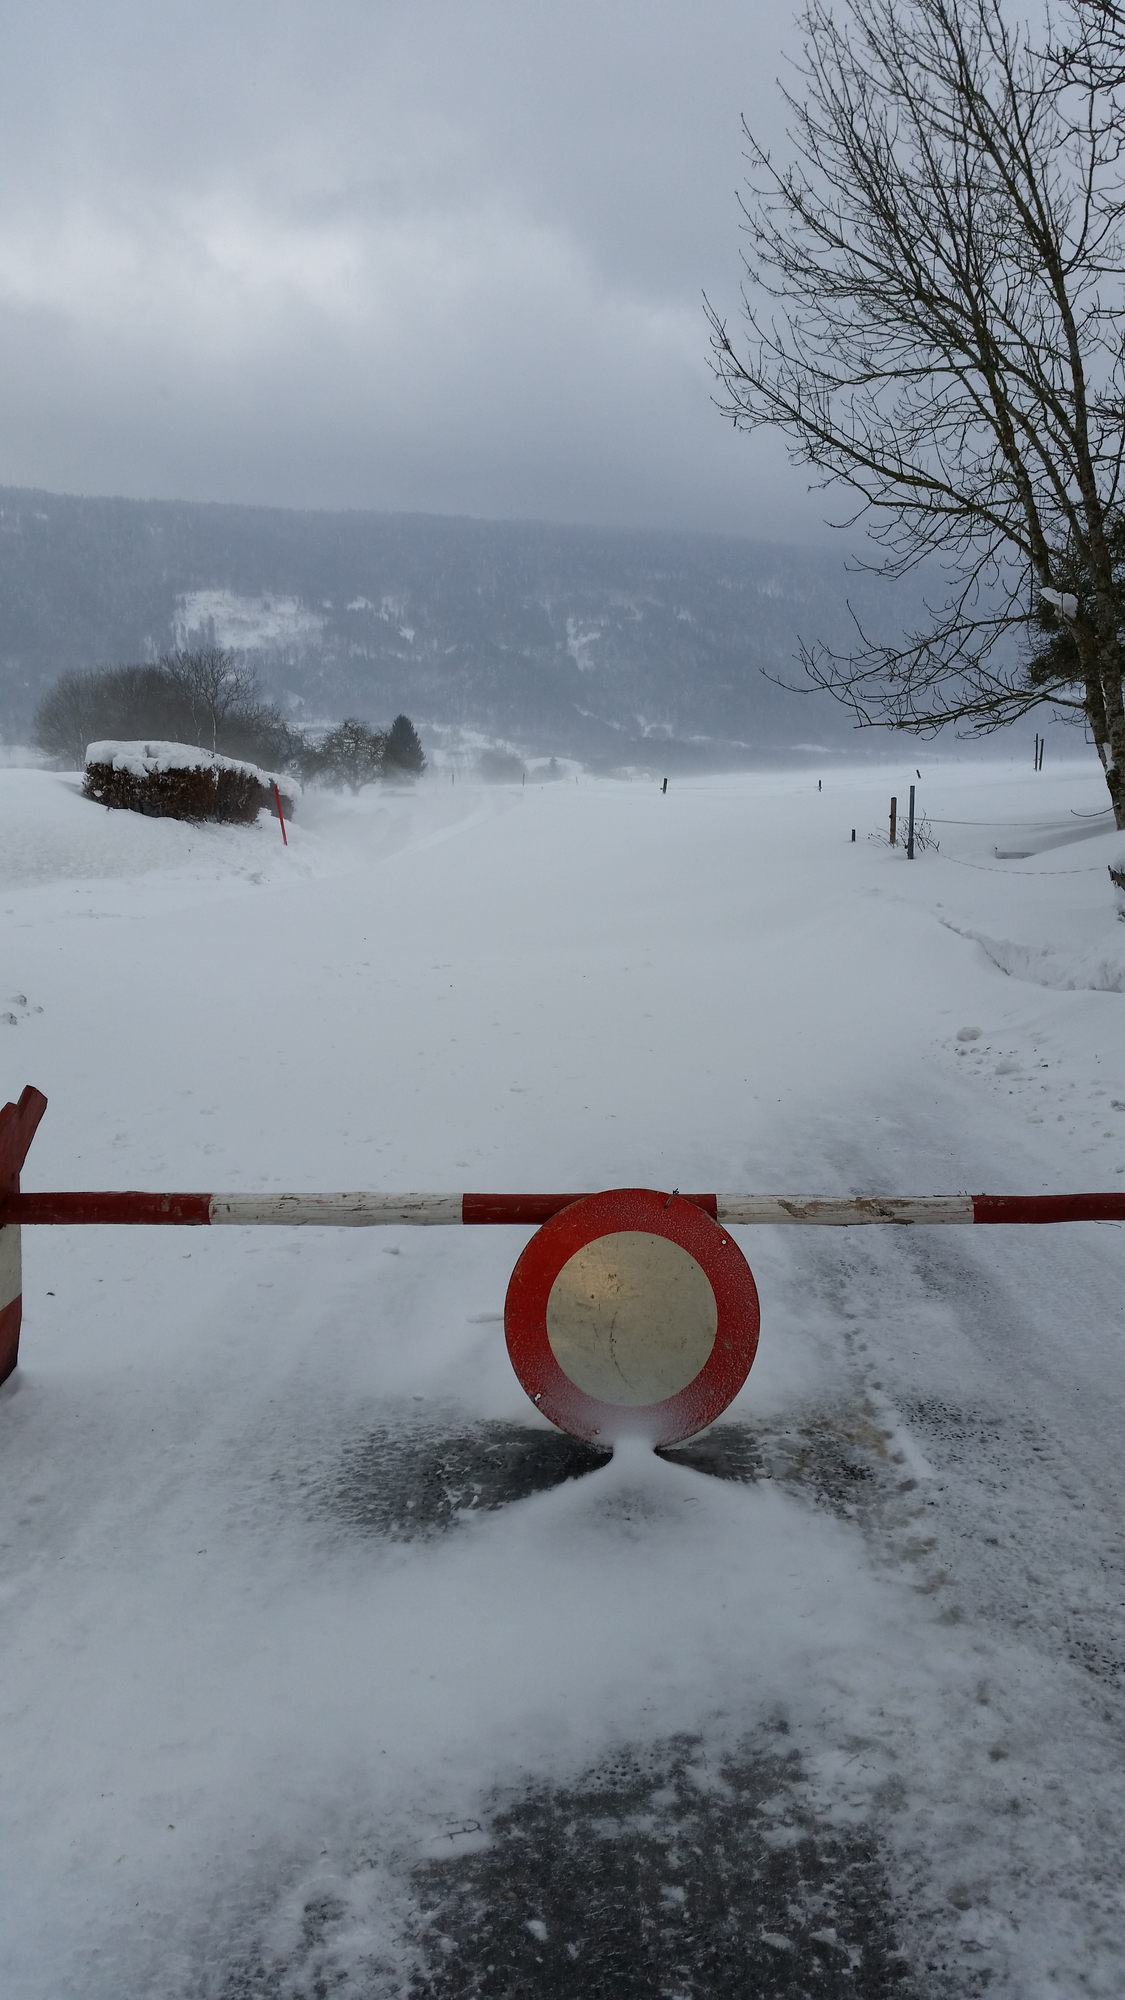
{"x": 431, "y": 256}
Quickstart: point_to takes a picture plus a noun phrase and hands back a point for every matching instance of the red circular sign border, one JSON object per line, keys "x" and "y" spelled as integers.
{"x": 703, "y": 1399}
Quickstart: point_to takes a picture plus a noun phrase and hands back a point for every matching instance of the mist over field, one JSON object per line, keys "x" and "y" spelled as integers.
{"x": 612, "y": 647}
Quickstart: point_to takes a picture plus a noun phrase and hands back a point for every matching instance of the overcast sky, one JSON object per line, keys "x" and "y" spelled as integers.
{"x": 428, "y": 254}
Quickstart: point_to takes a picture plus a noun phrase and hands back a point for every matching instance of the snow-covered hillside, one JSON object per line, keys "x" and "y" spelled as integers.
{"x": 315, "y": 1658}
{"x": 584, "y": 642}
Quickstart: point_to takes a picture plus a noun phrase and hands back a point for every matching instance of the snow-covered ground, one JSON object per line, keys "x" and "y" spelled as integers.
{"x": 280, "y": 1675}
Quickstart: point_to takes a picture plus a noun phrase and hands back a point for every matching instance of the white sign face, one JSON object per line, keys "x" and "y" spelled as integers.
{"x": 631, "y": 1313}
{"x": 631, "y": 1318}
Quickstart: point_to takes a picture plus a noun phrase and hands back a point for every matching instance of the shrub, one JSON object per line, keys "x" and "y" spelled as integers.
{"x": 171, "y": 781}
{"x": 924, "y": 836}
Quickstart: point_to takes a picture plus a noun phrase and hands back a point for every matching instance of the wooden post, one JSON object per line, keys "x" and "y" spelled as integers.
{"x": 17, "y": 1130}
{"x": 910, "y": 827}
{"x": 894, "y": 820}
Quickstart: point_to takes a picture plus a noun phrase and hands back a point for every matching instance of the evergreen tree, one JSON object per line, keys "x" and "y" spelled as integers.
{"x": 403, "y": 749}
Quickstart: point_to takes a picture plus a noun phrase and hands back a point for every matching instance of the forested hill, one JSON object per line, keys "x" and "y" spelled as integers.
{"x": 587, "y": 642}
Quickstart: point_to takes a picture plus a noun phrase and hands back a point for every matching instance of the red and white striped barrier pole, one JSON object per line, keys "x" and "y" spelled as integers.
{"x": 361, "y": 1210}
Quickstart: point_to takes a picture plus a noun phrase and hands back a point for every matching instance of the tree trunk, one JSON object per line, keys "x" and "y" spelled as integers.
{"x": 1115, "y": 734}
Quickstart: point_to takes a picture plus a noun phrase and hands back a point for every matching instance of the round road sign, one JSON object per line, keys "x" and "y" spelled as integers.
{"x": 632, "y": 1312}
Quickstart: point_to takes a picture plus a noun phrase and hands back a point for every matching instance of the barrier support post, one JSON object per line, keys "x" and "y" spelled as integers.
{"x": 18, "y": 1124}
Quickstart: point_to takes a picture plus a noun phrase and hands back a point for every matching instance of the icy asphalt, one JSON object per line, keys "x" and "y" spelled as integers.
{"x": 328, "y": 1668}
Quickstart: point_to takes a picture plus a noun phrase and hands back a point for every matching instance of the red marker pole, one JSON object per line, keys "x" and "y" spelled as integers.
{"x": 281, "y": 815}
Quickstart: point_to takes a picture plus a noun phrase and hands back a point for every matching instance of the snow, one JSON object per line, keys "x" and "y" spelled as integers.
{"x": 579, "y": 642}
{"x": 232, "y": 618}
{"x": 141, "y": 759}
{"x": 1100, "y": 971}
{"x": 223, "y": 1696}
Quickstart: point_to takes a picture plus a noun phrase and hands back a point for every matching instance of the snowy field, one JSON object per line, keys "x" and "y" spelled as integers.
{"x": 328, "y": 1668}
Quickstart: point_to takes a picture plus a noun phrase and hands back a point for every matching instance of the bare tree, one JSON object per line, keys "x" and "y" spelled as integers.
{"x": 215, "y": 685}
{"x": 69, "y": 717}
{"x": 102, "y": 702}
{"x": 947, "y": 346}
{"x": 207, "y": 698}
{"x": 1096, "y": 40}
{"x": 352, "y": 753}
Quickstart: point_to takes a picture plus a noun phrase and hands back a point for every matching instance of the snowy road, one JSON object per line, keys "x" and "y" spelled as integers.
{"x": 325, "y": 1660}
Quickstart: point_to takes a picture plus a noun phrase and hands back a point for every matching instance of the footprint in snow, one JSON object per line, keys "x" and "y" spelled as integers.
{"x": 19, "y": 1000}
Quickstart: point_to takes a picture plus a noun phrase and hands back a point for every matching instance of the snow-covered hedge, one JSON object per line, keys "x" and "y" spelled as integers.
{"x": 181, "y": 781}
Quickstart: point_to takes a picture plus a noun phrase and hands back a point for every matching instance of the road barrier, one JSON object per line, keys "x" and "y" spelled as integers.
{"x": 359, "y": 1210}
{"x": 363, "y": 1210}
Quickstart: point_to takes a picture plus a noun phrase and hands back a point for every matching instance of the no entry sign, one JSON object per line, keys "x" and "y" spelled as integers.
{"x": 632, "y": 1312}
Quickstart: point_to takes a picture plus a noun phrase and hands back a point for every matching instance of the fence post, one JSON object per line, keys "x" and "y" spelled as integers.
{"x": 910, "y": 827}
{"x": 894, "y": 820}
{"x": 17, "y": 1130}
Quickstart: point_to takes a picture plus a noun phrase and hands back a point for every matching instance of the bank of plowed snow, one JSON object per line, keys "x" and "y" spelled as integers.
{"x": 228, "y": 1696}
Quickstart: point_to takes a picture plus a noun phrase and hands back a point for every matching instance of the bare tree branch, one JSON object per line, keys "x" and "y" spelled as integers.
{"x": 933, "y": 318}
